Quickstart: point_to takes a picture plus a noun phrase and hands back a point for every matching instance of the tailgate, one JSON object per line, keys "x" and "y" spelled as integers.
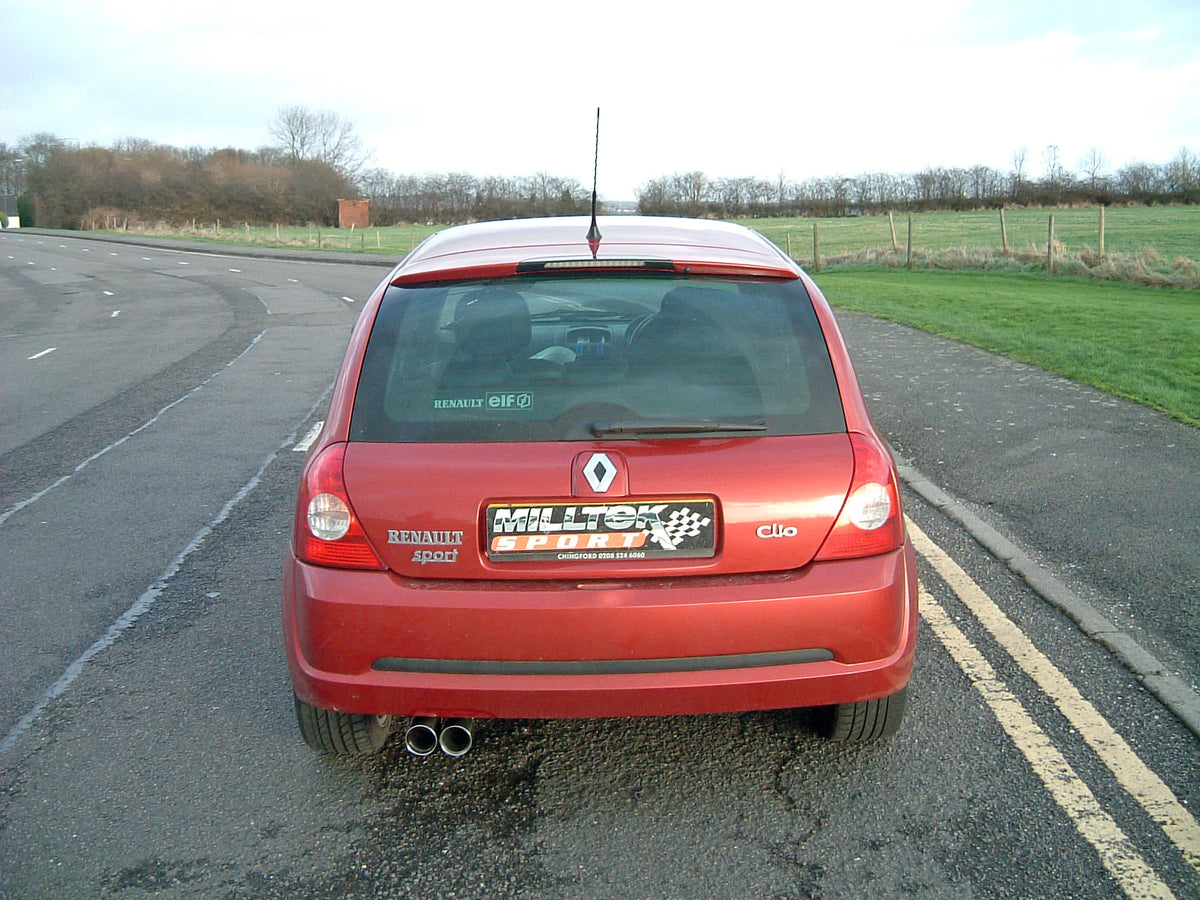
{"x": 599, "y": 510}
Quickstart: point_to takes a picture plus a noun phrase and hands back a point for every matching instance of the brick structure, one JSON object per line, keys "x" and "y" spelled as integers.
{"x": 354, "y": 212}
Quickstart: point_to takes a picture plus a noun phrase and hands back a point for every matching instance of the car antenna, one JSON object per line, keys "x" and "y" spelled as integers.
{"x": 593, "y": 235}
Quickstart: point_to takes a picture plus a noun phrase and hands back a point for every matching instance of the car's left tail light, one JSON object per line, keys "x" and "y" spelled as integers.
{"x": 870, "y": 521}
{"x": 328, "y": 532}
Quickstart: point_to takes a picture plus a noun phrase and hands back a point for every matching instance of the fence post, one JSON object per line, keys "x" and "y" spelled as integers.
{"x": 892, "y": 226}
{"x": 1102, "y": 231}
{"x": 1003, "y": 232}
{"x": 789, "y": 245}
{"x": 816, "y": 250}
{"x": 908, "y": 263}
{"x": 1050, "y": 247}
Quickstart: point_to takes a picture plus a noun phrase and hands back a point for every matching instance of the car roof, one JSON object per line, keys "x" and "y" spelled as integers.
{"x": 510, "y": 247}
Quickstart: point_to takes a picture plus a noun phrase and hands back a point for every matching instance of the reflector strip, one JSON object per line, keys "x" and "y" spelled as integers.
{"x": 601, "y": 666}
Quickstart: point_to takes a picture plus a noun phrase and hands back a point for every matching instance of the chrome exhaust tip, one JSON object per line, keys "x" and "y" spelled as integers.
{"x": 421, "y": 737}
{"x": 456, "y": 738}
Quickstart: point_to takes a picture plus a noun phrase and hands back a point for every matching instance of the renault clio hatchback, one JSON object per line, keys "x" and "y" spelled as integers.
{"x": 616, "y": 472}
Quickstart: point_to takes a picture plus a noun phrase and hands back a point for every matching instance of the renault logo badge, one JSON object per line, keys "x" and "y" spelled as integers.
{"x": 600, "y": 472}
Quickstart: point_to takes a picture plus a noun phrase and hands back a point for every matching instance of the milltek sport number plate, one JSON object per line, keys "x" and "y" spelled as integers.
{"x": 560, "y": 531}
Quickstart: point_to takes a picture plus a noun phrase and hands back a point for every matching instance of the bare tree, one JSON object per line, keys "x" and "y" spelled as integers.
{"x": 1020, "y": 159}
{"x": 1184, "y": 175}
{"x": 1056, "y": 174}
{"x": 1094, "y": 165}
{"x": 323, "y": 136}
{"x": 1141, "y": 182}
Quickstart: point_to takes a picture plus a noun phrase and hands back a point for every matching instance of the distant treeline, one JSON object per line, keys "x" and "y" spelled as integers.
{"x": 459, "y": 197}
{"x": 62, "y": 185}
{"x": 933, "y": 189}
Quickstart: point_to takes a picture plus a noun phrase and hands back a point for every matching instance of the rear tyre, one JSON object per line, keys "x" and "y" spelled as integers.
{"x": 868, "y": 720}
{"x": 339, "y": 733}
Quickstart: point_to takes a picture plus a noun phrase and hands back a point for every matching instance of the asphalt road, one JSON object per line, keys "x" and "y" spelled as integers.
{"x": 147, "y": 742}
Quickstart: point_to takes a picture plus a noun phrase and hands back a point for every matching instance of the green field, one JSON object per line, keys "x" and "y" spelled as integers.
{"x": 1136, "y": 342}
{"x": 395, "y": 240}
{"x": 1156, "y": 245}
{"x": 1171, "y": 232}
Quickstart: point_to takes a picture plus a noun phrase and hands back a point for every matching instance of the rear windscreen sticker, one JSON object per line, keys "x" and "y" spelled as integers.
{"x": 498, "y": 401}
{"x": 509, "y": 400}
{"x": 458, "y": 403}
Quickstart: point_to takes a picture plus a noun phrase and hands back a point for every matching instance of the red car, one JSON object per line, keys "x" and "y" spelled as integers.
{"x": 566, "y": 474}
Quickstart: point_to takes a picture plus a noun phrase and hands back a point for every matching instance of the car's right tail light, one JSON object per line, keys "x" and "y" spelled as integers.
{"x": 870, "y": 521}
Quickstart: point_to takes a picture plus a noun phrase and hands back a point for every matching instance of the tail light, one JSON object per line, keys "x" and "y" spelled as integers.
{"x": 328, "y": 532}
{"x": 870, "y": 521}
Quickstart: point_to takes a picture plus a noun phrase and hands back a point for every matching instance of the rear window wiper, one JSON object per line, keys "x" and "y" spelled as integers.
{"x": 673, "y": 426}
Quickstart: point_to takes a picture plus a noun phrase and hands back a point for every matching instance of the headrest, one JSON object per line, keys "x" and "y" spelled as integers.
{"x": 491, "y": 323}
{"x": 693, "y": 305}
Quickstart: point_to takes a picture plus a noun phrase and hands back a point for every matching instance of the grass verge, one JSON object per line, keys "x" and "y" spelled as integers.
{"x": 1137, "y": 342}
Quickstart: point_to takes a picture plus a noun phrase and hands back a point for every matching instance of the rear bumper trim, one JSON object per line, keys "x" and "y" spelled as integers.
{"x": 602, "y": 666}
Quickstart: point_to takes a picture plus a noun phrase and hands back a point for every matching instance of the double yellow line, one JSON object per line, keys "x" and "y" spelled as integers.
{"x": 1117, "y": 852}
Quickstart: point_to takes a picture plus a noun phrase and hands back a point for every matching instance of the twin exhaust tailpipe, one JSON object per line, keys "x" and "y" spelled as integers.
{"x": 427, "y": 733}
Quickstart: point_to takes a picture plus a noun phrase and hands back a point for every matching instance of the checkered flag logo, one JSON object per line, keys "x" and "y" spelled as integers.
{"x": 683, "y": 523}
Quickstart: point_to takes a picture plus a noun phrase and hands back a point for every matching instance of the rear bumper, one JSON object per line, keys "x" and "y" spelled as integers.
{"x": 374, "y": 643}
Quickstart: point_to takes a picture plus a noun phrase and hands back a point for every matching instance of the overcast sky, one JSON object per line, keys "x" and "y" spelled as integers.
{"x": 730, "y": 87}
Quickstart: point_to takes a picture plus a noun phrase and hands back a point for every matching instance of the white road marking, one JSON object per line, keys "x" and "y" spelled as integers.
{"x": 1117, "y": 853}
{"x": 45, "y": 352}
{"x": 149, "y": 596}
{"x": 107, "y": 293}
{"x": 348, "y": 299}
{"x": 303, "y": 445}
{"x": 115, "y": 313}
{"x": 239, "y": 271}
{"x": 1159, "y": 802}
{"x": 28, "y": 501}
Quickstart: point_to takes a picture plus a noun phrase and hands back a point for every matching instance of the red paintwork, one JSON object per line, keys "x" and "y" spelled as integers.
{"x": 755, "y": 595}
{"x": 795, "y": 482}
{"x": 337, "y": 623}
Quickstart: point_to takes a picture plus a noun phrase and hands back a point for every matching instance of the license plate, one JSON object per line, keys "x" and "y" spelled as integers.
{"x": 647, "y": 529}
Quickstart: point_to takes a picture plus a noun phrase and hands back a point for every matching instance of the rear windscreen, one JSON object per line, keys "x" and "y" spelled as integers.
{"x": 587, "y": 356}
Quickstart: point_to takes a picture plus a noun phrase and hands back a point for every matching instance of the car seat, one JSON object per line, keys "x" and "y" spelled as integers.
{"x": 491, "y": 329}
